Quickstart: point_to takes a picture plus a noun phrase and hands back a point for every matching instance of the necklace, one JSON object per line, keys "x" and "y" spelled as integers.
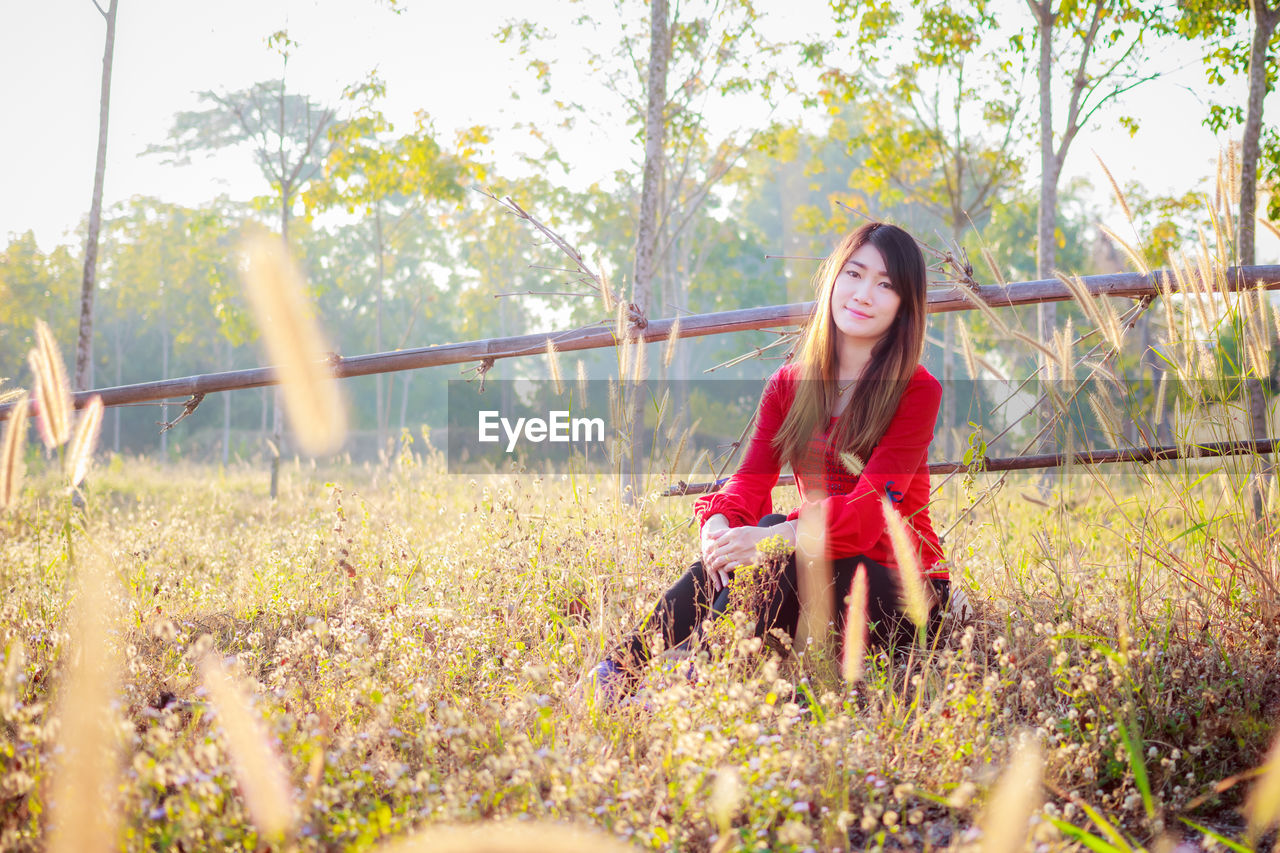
{"x": 841, "y": 390}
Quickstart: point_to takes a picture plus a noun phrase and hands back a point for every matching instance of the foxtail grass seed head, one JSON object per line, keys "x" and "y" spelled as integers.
{"x": 852, "y": 462}
{"x": 1115, "y": 188}
{"x": 986, "y": 311}
{"x": 1133, "y": 254}
{"x": 1270, "y": 226}
{"x": 966, "y": 349}
{"x": 813, "y": 573}
{"x": 1066, "y": 358}
{"x": 12, "y": 464}
{"x": 81, "y": 820}
{"x": 1017, "y": 795}
{"x": 996, "y": 275}
{"x": 80, "y": 454}
{"x": 1050, "y": 356}
{"x": 53, "y": 398}
{"x": 277, "y": 292}
{"x": 1263, "y": 804}
{"x": 264, "y": 783}
{"x": 726, "y": 794}
{"x": 582, "y": 383}
{"x": 553, "y": 364}
{"x": 640, "y": 361}
{"x": 1085, "y": 299}
{"x": 673, "y": 340}
{"x": 58, "y": 394}
{"x": 904, "y": 551}
{"x": 1106, "y": 412}
{"x": 855, "y": 629}
{"x": 606, "y": 289}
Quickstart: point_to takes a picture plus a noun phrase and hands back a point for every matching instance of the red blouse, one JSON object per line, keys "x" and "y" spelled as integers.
{"x": 898, "y": 468}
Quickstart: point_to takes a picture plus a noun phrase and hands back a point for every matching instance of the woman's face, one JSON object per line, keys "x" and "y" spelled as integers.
{"x": 863, "y": 301}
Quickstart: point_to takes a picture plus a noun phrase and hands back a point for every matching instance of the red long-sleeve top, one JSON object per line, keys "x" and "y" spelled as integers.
{"x": 898, "y": 468}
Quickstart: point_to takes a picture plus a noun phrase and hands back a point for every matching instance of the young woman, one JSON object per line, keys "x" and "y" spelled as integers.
{"x": 853, "y": 414}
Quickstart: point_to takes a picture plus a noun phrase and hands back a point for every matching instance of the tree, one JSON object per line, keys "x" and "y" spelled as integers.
{"x": 655, "y": 86}
{"x": 668, "y": 66}
{"x": 939, "y": 129}
{"x": 663, "y": 68}
{"x": 389, "y": 180}
{"x": 1102, "y": 48}
{"x": 167, "y": 273}
{"x": 1217, "y": 22}
{"x": 286, "y": 134}
{"x": 84, "y": 345}
{"x": 30, "y": 282}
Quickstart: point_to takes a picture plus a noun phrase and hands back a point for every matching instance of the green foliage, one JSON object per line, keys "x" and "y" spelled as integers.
{"x": 1226, "y": 31}
{"x": 35, "y": 285}
{"x": 939, "y": 129}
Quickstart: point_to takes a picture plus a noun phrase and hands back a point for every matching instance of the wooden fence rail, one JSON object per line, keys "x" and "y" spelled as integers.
{"x": 941, "y": 299}
{"x": 1157, "y": 453}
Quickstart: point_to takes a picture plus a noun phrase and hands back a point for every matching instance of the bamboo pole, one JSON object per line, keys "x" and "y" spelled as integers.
{"x": 1158, "y": 453}
{"x": 941, "y": 299}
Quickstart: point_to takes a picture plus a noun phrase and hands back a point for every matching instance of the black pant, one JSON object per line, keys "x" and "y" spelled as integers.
{"x": 693, "y": 598}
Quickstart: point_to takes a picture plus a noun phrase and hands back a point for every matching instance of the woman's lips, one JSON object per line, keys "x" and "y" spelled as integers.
{"x": 858, "y": 314}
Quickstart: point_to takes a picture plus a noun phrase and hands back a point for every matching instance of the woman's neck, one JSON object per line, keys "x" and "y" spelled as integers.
{"x": 851, "y": 357}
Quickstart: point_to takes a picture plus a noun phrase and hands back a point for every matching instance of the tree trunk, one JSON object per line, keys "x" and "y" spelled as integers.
{"x": 277, "y": 425}
{"x": 949, "y": 386}
{"x": 164, "y": 371}
{"x": 647, "y": 226}
{"x": 1264, "y": 23}
{"x": 115, "y": 441}
{"x": 404, "y": 400}
{"x": 1047, "y": 212}
{"x": 382, "y": 410}
{"x": 1047, "y": 215}
{"x": 226, "y": 407}
{"x": 84, "y": 343}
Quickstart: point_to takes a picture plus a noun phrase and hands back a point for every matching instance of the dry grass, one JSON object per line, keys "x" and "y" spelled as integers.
{"x": 12, "y": 448}
{"x": 408, "y": 639}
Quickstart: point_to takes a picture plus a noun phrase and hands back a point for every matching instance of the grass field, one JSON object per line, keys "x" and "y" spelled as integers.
{"x": 400, "y": 643}
{"x": 386, "y": 652}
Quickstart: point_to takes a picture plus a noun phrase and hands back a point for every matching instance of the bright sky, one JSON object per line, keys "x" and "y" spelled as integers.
{"x": 437, "y": 56}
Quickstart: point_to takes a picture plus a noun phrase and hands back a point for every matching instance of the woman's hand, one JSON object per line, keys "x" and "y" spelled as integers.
{"x": 725, "y": 549}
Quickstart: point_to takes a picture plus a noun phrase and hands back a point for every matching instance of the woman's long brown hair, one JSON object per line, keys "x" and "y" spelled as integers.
{"x": 893, "y": 359}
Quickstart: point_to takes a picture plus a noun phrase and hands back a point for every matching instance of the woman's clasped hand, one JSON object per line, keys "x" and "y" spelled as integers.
{"x": 725, "y": 548}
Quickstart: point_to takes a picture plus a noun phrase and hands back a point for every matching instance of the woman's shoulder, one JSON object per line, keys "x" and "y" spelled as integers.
{"x": 924, "y": 383}
{"x": 924, "y": 378}
{"x": 783, "y": 379}
{"x": 781, "y": 384}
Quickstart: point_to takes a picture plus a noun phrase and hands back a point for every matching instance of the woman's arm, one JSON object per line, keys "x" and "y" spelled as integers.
{"x": 747, "y": 497}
